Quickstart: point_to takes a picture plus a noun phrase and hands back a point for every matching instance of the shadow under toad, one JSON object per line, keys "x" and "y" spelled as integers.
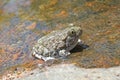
{"x": 79, "y": 48}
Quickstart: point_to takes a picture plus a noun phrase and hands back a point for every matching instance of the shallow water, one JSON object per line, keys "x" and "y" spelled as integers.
{"x": 23, "y": 22}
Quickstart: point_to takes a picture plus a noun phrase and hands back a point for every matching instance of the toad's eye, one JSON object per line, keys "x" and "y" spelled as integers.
{"x": 72, "y": 33}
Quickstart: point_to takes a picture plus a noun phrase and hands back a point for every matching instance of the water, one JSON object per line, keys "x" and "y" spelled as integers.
{"x": 23, "y": 22}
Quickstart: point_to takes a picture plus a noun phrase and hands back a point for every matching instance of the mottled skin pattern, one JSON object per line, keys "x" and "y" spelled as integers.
{"x": 57, "y": 43}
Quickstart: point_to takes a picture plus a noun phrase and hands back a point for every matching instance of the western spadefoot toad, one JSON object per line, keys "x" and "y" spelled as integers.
{"x": 57, "y": 43}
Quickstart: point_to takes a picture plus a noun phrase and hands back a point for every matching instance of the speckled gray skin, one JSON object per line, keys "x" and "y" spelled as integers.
{"x": 57, "y": 43}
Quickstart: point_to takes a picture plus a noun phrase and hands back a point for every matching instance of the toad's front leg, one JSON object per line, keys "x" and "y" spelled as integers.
{"x": 64, "y": 53}
{"x": 80, "y": 42}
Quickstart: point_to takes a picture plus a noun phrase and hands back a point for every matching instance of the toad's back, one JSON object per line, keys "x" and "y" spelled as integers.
{"x": 53, "y": 40}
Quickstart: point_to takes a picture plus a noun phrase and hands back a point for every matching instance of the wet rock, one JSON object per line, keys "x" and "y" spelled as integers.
{"x": 71, "y": 72}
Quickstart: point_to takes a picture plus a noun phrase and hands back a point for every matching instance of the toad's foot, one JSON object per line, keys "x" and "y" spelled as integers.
{"x": 64, "y": 53}
{"x": 80, "y": 42}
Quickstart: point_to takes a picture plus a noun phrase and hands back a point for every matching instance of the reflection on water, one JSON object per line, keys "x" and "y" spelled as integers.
{"x": 13, "y": 6}
{"x": 23, "y": 22}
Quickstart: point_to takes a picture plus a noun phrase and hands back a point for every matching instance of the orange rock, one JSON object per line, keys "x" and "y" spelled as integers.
{"x": 32, "y": 26}
{"x": 107, "y": 32}
{"x": 1, "y": 61}
{"x": 53, "y": 2}
{"x": 15, "y": 56}
{"x": 62, "y": 14}
{"x": 2, "y": 51}
{"x": 118, "y": 26}
{"x": 116, "y": 61}
{"x": 89, "y": 4}
{"x": 1, "y": 12}
{"x": 39, "y": 61}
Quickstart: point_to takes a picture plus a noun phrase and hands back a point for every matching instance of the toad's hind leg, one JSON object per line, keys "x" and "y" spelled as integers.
{"x": 44, "y": 58}
{"x": 36, "y": 55}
